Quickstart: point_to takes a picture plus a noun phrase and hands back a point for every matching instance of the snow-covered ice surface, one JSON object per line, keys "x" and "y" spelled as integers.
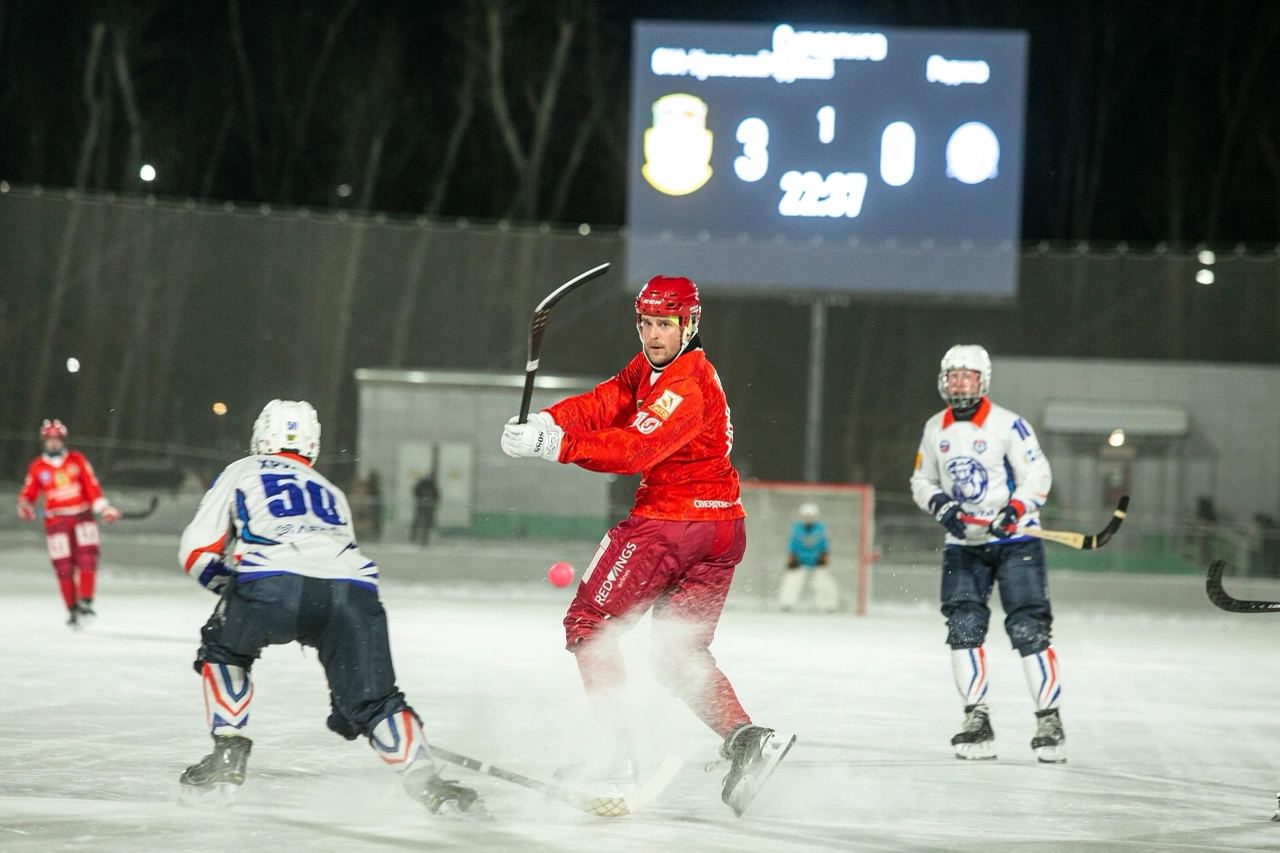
{"x": 1170, "y": 723}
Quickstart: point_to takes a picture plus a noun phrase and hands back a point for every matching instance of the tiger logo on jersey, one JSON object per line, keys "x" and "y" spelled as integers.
{"x": 968, "y": 479}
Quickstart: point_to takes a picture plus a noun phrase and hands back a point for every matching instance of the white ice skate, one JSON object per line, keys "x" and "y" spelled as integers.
{"x": 754, "y": 752}
{"x": 441, "y": 796}
{"x": 217, "y": 776}
{"x": 1049, "y": 743}
{"x": 976, "y": 740}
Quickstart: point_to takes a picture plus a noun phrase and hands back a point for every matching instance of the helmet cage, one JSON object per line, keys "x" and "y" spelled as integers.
{"x": 287, "y": 425}
{"x": 965, "y": 357}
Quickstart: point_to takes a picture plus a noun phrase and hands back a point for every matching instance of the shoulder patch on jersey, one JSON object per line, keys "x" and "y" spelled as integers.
{"x": 919, "y": 458}
{"x": 665, "y": 405}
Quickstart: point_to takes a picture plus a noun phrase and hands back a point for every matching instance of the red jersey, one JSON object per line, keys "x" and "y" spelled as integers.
{"x": 671, "y": 426}
{"x": 67, "y": 483}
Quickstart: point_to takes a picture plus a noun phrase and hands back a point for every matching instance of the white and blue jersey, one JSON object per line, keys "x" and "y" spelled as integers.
{"x": 271, "y": 515}
{"x": 984, "y": 463}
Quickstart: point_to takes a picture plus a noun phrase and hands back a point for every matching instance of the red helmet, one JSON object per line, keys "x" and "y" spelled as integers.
{"x": 53, "y": 429}
{"x": 671, "y": 296}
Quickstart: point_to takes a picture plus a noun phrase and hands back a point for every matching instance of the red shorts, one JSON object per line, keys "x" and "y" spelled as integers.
{"x": 72, "y": 537}
{"x": 681, "y": 568}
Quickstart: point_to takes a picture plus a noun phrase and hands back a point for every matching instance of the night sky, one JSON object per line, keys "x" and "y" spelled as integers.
{"x": 1142, "y": 124}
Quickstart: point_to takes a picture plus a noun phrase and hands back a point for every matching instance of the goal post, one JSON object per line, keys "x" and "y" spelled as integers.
{"x": 847, "y": 510}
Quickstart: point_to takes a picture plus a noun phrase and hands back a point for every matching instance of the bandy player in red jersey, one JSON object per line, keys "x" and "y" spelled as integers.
{"x": 665, "y": 417}
{"x": 71, "y": 497}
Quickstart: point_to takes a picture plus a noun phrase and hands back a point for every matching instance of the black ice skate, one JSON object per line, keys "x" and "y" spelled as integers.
{"x": 221, "y": 771}
{"x": 442, "y": 796}
{"x": 976, "y": 740}
{"x": 1049, "y": 743}
{"x": 85, "y": 608}
{"x": 753, "y": 752}
{"x": 73, "y": 618}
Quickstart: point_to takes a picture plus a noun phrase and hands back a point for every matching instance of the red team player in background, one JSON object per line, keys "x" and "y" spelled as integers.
{"x": 664, "y": 416}
{"x": 71, "y": 497}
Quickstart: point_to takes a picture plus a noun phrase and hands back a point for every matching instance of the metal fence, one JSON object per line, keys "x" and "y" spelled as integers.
{"x": 170, "y": 306}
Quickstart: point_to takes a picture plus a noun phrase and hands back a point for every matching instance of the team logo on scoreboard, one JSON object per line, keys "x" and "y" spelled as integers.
{"x": 677, "y": 149}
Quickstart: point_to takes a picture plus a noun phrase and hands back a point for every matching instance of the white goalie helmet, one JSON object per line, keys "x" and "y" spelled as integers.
{"x": 287, "y": 425}
{"x": 965, "y": 357}
{"x": 809, "y": 511}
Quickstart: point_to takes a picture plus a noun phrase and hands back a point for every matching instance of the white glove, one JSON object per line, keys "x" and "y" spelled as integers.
{"x": 531, "y": 439}
{"x": 541, "y": 419}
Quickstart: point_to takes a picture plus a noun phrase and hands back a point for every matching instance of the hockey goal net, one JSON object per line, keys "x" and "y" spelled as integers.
{"x": 772, "y": 508}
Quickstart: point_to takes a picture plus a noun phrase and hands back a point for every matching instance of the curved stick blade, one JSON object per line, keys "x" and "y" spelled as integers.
{"x": 1224, "y": 600}
{"x": 1117, "y": 519}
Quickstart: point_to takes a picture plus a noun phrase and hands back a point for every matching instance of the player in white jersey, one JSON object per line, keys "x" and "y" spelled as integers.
{"x": 980, "y": 460}
{"x": 274, "y": 538}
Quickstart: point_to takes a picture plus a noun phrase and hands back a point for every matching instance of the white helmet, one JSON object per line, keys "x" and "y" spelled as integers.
{"x": 809, "y": 511}
{"x": 287, "y": 425}
{"x": 965, "y": 357}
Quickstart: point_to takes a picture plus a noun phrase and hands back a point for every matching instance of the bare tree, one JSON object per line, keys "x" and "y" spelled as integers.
{"x": 302, "y": 123}
{"x": 1239, "y": 74}
{"x": 527, "y": 151}
{"x": 249, "y": 99}
{"x": 66, "y": 251}
{"x": 472, "y": 57}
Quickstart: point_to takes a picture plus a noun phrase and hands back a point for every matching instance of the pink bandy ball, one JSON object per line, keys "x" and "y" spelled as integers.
{"x": 560, "y": 574}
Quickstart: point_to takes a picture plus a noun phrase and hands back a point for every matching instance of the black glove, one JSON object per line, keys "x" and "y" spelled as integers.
{"x": 793, "y": 562}
{"x": 947, "y": 512}
{"x": 1006, "y": 523}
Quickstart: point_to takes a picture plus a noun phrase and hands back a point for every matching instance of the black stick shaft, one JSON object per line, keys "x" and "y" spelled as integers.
{"x": 538, "y": 328}
{"x": 550, "y": 790}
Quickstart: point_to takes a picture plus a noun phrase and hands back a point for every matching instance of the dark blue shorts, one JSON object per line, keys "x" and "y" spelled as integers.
{"x": 343, "y": 621}
{"x": 968, "y": 574}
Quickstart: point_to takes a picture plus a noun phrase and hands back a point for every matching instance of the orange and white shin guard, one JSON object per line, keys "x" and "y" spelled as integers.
{"x": 1041, "y": 670}
{"x": 969, "y": 667}
{"x": 399, "y": 741}
{"x": 228, "y": 690}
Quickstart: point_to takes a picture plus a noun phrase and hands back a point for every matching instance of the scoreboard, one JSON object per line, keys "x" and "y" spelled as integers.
{"x": 807, "y": 159}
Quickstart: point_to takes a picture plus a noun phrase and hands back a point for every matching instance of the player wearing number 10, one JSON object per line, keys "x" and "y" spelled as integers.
{"x": 664, "y": 416}
{"x": 980, "y": 460}
{"x": 274, "y": 538}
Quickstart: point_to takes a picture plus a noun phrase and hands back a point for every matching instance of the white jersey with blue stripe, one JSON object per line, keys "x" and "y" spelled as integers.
{"x": 270, "y": 515}
{"x": 983, "y": 462}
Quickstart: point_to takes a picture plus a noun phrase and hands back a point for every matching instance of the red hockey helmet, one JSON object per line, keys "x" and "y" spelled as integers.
{"x": 671, "y": 296}
{"x": 53, "y": 429}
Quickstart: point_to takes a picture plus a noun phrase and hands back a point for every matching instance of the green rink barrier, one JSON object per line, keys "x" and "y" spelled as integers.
{"x": 1147, "y": 553}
